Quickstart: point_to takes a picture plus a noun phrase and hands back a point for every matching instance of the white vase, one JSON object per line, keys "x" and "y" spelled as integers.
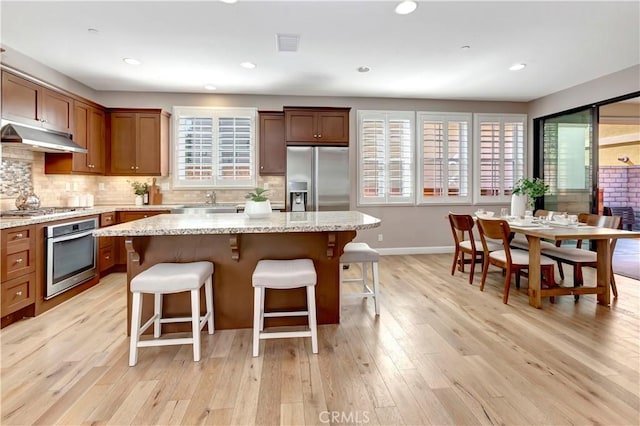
{"x": 139, "y": 200}
{"x": 257, "y": 209}
{"x": 518, "y": 205}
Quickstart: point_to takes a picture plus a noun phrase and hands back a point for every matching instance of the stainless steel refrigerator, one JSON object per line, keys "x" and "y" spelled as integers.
{"x": 326, "y": 171}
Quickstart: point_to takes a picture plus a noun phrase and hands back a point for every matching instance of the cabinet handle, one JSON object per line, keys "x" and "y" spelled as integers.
{"x": 132, "y": 168}
{"x": 146, "y": 215}
{"x": 137, "y": 167}
{"x": 19, "y": 260}
{"x": 19, "y": 235}
{"x": 107, "y": 257}
{"x": 18, "y": 293}
{"x": 315, "y": 136}
{"x": 319, "y": 136}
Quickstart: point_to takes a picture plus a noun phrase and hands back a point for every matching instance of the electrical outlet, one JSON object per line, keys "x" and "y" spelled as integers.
{"x": 266, "y": 185}
{"x": 75, "y": 186}
{"x": 101, "y": 186}
{"x": 67, "y": 186}
{"x": 379, "y": 237}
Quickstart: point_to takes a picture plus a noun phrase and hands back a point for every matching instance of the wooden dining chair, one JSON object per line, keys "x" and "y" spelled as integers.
{"x": 465, "y": 242}
{"x": 511, "y": 261}
{"x": 579, "y": 257}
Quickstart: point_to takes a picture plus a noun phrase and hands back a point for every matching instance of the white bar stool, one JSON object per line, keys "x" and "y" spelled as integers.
{"x": 284, "y": 274}
{"x": 364, "y": 255}
{"x": 166, "y": 278}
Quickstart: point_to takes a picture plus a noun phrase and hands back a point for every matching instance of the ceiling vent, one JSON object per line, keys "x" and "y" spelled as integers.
{"x": 287, "y": 42}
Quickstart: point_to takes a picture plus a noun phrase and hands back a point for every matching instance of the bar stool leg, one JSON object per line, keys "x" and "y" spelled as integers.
{"x": 157, "y": 312}
{"x": 257, "y": 319}
{"x": 263, "y": 296}
{"x": 195, "y": 323}
{"x": 376, "y": 287}
{"x": 363, "y": 268}
{"x": 136, "y": 314}
{"x": 311, "y": 307}
{"x": 208, "y": 293}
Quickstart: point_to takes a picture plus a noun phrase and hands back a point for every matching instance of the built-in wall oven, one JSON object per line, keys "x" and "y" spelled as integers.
{"x": 71, "y": 252}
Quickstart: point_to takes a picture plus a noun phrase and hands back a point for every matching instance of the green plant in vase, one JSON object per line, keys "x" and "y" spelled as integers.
{"x": 530, "y": 188}
{"x": 258, "y": 205}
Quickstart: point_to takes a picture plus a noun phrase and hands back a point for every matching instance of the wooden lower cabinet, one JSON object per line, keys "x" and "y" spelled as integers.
{"x": 18, "y": 277}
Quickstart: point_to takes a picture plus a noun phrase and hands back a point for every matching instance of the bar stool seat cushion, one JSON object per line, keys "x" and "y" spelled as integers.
{"x": 359, "y": 252}
{"x": 284, "y": 274}
{"x": 168, "y": 278}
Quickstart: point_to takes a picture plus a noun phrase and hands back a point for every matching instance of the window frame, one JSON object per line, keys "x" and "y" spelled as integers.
{"x": 215, "y": 113}
{"x": 445, "y": 117}
{"x": 520, "y": 169}
{"x": 386, "y": 199}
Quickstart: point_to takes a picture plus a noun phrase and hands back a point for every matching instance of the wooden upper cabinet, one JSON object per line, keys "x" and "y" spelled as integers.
{"x": 139, "y": 142}
{"x": 27, "y": 102}
{"x": 316, "y": 126}
{"x": 90, "y": 133}
{"x": 273, "y": 149}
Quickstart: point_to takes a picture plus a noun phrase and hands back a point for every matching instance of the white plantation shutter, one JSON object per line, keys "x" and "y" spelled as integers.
{"x": 194, "y": 150}
{"x": 214, "y": 147}
{"x": 443, "y": 146}
{"x": 499, "y": 155}
{"x": 385, "y": 154}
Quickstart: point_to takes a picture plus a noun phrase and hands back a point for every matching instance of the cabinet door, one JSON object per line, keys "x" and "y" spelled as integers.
{"x": 333, "y": 127}
{"x": 57, "y": 111}
{"x": 148, "y": 149}
{"x": 123, "y": 143}
{"x": 273, "y": 149}
{"x": 97, "y": 140}
{"x": 300, "y": 125}
{"x": 81, "y": 136}
{"x": 20, "y": 99}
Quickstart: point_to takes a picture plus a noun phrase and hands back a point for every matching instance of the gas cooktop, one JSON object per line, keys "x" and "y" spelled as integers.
{"x": 42, "y": 211}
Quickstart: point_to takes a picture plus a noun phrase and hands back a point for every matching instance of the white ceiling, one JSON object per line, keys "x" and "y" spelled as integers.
{"x": 185, "y": 45}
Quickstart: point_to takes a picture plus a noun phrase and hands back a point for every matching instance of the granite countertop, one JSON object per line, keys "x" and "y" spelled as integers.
{"x": 90, "y": 211}
{"x": 239, "y": 223}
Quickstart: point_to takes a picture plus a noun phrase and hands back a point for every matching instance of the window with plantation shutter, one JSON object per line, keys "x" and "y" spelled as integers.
{"x": 499, "y": 156}
{"x": 214, "y": 147}
{"x": 385, "y": 157}
{"x": 444, "y": 148}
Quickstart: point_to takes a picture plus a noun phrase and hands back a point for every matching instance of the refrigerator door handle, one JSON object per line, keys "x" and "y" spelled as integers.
{"x": 316, "y": 174}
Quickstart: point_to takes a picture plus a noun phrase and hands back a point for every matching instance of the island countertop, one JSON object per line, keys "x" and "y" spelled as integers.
{"x": 229, "y": 223}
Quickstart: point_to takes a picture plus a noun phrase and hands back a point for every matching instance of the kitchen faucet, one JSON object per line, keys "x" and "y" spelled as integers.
{"x": 210, "y": 197}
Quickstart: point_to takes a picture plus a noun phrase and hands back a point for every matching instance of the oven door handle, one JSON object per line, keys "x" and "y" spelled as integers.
{"x": 70, "y": 236}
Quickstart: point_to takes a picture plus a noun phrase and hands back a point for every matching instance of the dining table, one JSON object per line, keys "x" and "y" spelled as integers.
{"x": 535, "y": 232}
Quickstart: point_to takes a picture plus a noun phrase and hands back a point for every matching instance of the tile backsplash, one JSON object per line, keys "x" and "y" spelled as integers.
{"x": 24, "y": 169}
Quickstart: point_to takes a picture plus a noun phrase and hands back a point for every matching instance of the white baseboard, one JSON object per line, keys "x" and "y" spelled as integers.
{"x": 414, "y": 250}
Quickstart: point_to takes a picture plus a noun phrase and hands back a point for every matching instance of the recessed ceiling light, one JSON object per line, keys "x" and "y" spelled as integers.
{"x": 93, "y": 31}
{"x": 229, "y": 1}
{"x": 210, "y": 87}
{"x": 248, "y": 65}
{"x": 132, "y": 61}
{"x": 364, "y": 69}
{"x": 406, "y": 7}
{"x": 517, "y": 67}
{"x": 465, "y": 47}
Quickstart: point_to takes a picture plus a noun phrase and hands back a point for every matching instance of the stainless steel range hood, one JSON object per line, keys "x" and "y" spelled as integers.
{"x": 21, "y": 136}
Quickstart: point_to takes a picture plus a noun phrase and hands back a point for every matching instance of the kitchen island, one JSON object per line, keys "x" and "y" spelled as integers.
{"x": 235, "y": 243}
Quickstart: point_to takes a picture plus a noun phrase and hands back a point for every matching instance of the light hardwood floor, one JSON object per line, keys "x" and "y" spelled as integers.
{"x": 441, "y": 352}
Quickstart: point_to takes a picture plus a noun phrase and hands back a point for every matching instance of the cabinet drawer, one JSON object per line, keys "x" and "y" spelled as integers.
{"x": 17, "y": 294}
{"x": 107, "y": 258}
{"x": 18, "y": 239}
{"x": 107, "y": 219}
{"x": 128, "y": 216}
